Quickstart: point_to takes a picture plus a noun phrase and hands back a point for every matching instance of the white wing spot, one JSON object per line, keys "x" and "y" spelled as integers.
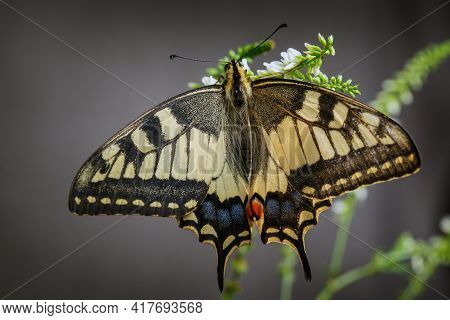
{"x": 309, "y": 147}
{"x": 179, "y": 165}
{"x": 169, "y": 124}
{"x": 290, "y": 233}
{"x": 325, "y": 147}
{"x": 339, "y": 116}
{"x": 156, "y": 204}
{"x": 163, "y": 168}
{"x": 138, "y": 202}
{"x": 371, "y": 119}
{"x": 105, "y": 200}
{"x": 310, "y": 107}
{"x": 228, "y": 241}
{"x": 341, "y": 146}
{"x": 110, "y": 151}
{"x": 208, "y": 229}
{"x": 367, "y": 135}
{"x": 129, "y": 171}
{"x": 147, "y": 166}
{"x": 172, "y": 205}
{"x": 191, "y": 204}
{"x": 121, "y": 202}
{"x": 140, "y": 140}
{"x": 116, "y": 170}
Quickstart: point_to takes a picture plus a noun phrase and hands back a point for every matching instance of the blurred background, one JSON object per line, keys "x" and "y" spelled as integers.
{"x": 57, "y": 108}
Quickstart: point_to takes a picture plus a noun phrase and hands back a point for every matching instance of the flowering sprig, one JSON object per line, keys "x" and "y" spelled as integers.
{"x": 397, "y": 91}
{"x": 306, "y": 67}
{"x": 248, "y": 51}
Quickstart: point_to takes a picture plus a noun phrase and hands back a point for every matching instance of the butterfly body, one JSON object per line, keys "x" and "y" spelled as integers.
{"x": 223, "y": 157}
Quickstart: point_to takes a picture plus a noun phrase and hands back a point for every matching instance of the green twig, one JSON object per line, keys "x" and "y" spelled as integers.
{"x": 344, "y": 218}
{"x": 238, "y": 268}
{"x": 286, "y": 270}
{"x": 337, "y": 284}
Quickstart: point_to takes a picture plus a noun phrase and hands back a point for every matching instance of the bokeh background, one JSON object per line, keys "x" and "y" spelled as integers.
{"x": 57, "y": 108}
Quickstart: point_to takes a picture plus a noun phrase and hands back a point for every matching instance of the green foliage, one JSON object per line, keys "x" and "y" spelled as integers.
{"x": 398, "y": 90}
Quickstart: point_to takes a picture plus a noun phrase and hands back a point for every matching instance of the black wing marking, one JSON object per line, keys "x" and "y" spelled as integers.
{"x": 328, "y": 144}
{"x": 161, "y": 164}
{"x": 287, "y": 218}
{"x": 221, "y": 219}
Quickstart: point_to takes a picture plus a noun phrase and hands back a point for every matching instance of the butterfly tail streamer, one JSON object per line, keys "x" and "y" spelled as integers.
{"x": 222, "y": 224}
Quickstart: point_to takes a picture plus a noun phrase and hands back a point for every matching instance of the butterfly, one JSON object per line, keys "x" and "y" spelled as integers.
{"x": 220, "y": 159}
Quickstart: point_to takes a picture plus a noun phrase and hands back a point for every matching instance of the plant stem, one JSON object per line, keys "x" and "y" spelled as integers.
{"x": 345, "y": 218}
{"x": 239, "y": 267}
{"x": 416, "y": 287}
{"x": 347, "y": 278}
{"x": 286, "y": 269}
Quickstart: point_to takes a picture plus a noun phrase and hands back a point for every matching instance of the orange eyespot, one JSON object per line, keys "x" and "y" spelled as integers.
{"x": 254, "y": 209}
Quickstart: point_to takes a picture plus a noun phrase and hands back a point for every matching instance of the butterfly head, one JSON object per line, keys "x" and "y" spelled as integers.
{"x": 237, "y": 86}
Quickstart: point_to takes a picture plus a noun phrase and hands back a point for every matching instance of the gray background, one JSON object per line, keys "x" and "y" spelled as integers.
{"x": 57, "y": 108}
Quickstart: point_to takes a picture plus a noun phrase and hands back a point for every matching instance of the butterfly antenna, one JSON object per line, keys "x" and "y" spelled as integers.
{"x": 175, "y": 56}
{"x": 283, "y": 25}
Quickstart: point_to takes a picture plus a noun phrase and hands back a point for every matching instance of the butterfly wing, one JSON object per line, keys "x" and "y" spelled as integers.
{"x": 318, "y": 144}
{"x": 221, "y": 220}
{"x": 161, "y": 164}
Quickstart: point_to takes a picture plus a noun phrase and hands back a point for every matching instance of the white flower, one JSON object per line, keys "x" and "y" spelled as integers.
{"x": 290, "y": 55}
{"x": 208, "y": 81}
{"x": 274, "y": 66}
{"x": 245, "y": 64}
{"x": 289, "y": 60}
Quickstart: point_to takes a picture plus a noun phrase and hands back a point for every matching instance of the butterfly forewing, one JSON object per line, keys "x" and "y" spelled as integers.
{"x": 328, "y": 144}
{"x": 161, "y": 164}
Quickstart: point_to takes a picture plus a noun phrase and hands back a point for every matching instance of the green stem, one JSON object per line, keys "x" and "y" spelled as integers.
{"x": 345, "y": 219}
{"x": 338, "y": 283}
{"x": 286, "y": 270}
{"x": 238, "y": 267}
{"x": 416, "y": 287}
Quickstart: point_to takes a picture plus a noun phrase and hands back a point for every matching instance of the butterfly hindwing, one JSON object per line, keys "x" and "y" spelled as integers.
{"x": 161, "y": 164}
{"x": 287, "y": 218}
{"x": 221, "y": 220}
{"x": 328, "y": 144}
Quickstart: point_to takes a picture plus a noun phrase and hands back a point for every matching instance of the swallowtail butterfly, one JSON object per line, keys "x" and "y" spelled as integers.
{"x": 224, "y": 157}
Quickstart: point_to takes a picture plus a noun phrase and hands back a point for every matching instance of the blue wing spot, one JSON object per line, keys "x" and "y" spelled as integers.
{"x": 237, "y": 213}
{"x": 224, "y": 218}
{"x": 272, "y": 208}
{"x": 208, "y": 210}
{"x": 287, "y": 208}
